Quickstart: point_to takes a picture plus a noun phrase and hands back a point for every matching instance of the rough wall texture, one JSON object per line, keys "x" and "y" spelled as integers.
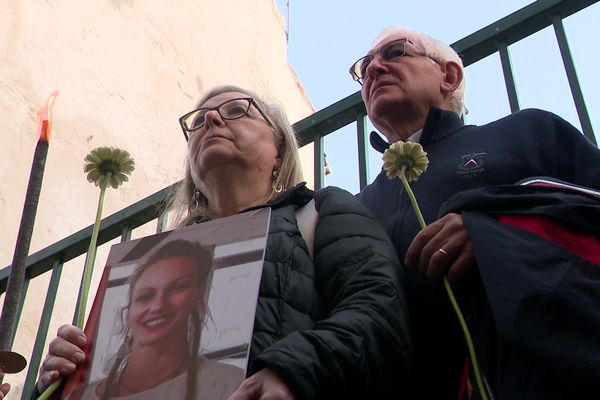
{"x": 126, "y": 70}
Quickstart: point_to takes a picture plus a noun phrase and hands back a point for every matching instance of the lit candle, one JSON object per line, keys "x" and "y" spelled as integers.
{"x": 16, "y": 277}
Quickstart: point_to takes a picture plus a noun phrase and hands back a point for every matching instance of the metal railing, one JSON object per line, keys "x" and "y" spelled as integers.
{"x": 497, "y": 37}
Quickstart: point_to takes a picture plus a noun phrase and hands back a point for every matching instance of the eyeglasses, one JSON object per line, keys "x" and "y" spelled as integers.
{"x": 389, "y": 52}
{"x": 230, "y": 109}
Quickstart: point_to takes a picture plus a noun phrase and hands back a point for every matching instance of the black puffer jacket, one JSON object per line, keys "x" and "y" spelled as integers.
{"x": 335, "y": 328}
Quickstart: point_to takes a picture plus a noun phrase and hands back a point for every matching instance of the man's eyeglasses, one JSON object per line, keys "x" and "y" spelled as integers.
{"x": 391, "y": 51}
{"x": 230, "y": 109}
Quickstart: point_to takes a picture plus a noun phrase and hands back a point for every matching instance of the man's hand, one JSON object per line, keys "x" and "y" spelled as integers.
{"x": 442, "y": 247}
{"x": 65, "y": 353}
{"x": 264, "y": 385}
{"x": 4, "y": 388}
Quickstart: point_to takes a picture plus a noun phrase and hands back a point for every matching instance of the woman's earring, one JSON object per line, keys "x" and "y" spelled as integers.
{"x": 191, "y": 332}
{"x": 195, "y": 201}
{"x": 277, "y": 186}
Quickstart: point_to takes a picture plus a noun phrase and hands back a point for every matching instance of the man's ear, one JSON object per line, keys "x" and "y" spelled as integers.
{"x": 453, "y": 76}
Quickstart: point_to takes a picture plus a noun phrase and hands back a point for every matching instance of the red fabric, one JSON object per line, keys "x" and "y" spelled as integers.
{"x": 580, "y": 243}
{"x": 465, "y": 390}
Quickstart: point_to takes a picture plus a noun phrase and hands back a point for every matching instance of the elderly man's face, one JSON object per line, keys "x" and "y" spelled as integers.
{"x": 402, "y": 88}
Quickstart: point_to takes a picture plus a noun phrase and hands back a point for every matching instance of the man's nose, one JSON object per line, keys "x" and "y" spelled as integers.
{"x": 376, "y": 66}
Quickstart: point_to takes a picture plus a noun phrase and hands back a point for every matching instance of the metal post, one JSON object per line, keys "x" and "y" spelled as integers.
{"x": 40, "y": 338}
{"x": 361, "y": 134}
{"x": 509, "y": 79}
{"x": 319, "y": 162}
{"x": 563, "y": 45}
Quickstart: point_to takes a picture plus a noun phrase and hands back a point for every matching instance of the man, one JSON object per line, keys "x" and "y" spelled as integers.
{"x": 413, "y": 88}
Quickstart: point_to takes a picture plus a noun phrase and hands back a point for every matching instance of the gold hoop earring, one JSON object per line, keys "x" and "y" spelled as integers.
{"x": 276, "y": 185}
{"x": 195, "y": 201}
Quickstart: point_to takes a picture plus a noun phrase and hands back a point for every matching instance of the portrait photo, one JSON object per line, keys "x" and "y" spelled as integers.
{"x": 177, "y": 306}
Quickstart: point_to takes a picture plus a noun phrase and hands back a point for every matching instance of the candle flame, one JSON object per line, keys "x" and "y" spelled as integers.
{"x": 44, "y": 122}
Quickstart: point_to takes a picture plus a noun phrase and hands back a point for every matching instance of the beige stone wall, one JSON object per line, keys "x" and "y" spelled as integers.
{"x": 126, "y": 70}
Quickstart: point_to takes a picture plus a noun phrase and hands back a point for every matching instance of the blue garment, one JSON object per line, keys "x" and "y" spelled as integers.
{"x": 524, "y": 144}
{"x": 537, "y": 329}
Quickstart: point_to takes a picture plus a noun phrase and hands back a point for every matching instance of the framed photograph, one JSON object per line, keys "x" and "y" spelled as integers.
{"x": 174, "y": 314}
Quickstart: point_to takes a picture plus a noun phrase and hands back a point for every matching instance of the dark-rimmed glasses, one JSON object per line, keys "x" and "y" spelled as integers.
{"x": 230, "y": 109}
{"x": 389, "y": 52}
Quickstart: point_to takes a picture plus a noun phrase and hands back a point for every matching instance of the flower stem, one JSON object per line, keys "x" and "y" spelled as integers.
{"x": 87, "y": 279}
{"x": 411, "y": 195}
{"x": 91, "y": 257}
{"x": 50, "y": 390}
{"x": 455, "y": 306}
{"x": 468, "y": 339}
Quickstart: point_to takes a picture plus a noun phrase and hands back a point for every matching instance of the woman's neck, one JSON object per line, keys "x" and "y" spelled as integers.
{"x": 137, "y": 375}
{"x": 234, "y": 193}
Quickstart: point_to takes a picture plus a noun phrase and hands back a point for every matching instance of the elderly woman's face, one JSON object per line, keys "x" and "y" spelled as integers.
{"x": 226, "y": 145}
{"x": 162, "y": 299}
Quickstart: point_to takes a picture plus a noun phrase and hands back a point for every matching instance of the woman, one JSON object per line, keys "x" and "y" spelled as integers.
{"x": 331, "y": 326}
{"x": 166, "y": 309}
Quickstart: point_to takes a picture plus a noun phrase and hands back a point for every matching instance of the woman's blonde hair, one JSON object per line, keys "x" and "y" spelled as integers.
{"x": 186, "y": 208}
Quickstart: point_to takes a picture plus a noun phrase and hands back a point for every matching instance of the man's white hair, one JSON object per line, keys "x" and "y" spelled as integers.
{"x": 437, "y": 50}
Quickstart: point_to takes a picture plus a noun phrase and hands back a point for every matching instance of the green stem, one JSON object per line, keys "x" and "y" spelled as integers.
{"x": 50, "y": 390}
{"x": 89, "y": 265}
{"x": 87, "y": 279}
{"x": 455, "y": 306}
{"x": 412, "y": 197}
{"x": 467, "y": 335}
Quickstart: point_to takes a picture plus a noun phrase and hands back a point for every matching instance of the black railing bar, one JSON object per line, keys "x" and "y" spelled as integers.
{"x": 361, "y": 136}
{"x": 126, "y": 233}
{"x": 516, "y": 26}
{"x": 565, "y": 52}
{"x": 77, "y": 244}
{"x": 509, "y": 78}
{"x": 42, "y": 333}
{"x": 319, "y": 157}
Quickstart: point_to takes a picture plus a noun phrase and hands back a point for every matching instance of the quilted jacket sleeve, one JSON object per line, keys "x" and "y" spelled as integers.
{"x": 361, "y": 348}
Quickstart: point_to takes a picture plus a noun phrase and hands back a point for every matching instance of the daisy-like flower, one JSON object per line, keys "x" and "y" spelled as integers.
{"x": 409, "y": 156}
{"x": 407, "y": 161}
{"x": 108, "y": 165}
{"x": 104, "y": 166}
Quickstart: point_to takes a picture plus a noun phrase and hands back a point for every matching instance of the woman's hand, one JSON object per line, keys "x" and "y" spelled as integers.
{"x": 264, "y": 385}
{"x": 4, "y": 388}
{"x": 65, "y": 353}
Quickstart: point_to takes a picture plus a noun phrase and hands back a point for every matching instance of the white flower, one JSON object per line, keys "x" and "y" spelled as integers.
{"x": 407, "y": 156}
{"x": 108, "y": 165}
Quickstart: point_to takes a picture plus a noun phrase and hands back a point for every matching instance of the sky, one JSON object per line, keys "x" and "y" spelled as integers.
{"x": 327, "y": 36}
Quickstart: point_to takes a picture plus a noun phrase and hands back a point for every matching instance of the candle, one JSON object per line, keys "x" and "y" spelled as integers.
{"x": 16, "y": 276}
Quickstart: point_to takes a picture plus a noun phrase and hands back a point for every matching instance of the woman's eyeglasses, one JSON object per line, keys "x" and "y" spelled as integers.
{"x": 230, "y": 109}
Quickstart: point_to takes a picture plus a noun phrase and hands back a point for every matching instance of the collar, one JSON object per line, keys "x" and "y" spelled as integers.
{"x": 438, "y": 124}
{"x": 415, "y": 137}
{"x": 298, "y": 195}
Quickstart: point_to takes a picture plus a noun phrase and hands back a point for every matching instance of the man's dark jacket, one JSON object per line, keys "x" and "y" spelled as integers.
{"x": 462, "y": 157}
{"x": 537, "y": 329}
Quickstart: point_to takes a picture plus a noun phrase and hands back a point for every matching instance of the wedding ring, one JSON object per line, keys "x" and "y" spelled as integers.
{"x": 442, "y": 251}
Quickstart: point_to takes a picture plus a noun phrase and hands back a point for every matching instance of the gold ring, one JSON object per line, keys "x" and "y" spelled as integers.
{"x": 442, "y": 251}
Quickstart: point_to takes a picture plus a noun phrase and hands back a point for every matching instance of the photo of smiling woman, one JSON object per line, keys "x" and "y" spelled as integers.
{"x": 160, "y": 332}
